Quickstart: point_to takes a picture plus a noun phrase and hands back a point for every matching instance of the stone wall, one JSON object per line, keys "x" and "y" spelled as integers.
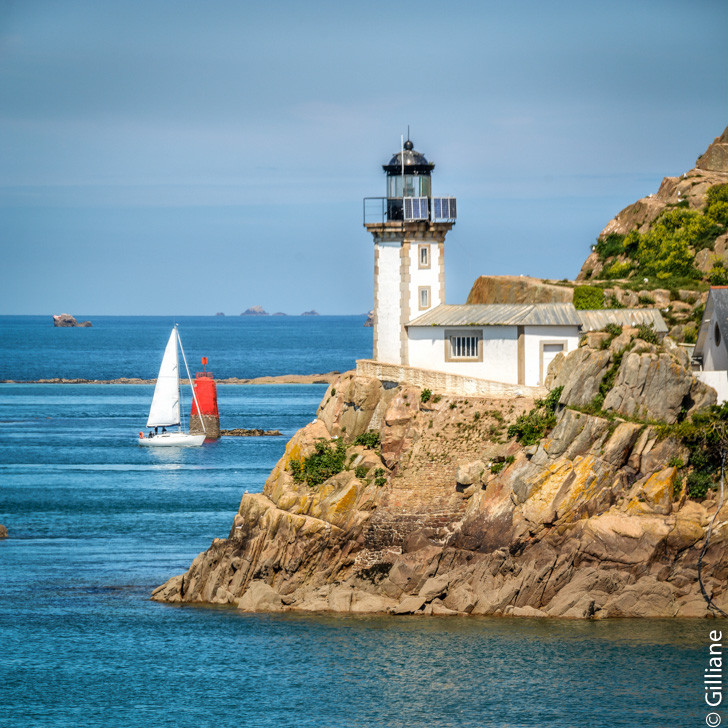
{"x": 443, "y": 382}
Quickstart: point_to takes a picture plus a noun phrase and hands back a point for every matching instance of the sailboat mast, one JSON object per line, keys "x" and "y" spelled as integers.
{"x": 189, "y": 378}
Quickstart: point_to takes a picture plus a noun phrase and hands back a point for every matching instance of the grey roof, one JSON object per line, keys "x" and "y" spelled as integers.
{"x": 500, "y": 314}
{"x": 716, "y": 309}
{"x": 598, "y": 319}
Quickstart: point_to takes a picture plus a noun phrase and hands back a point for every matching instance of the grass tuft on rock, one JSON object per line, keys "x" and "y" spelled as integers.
{"x": 529, "y": 428}
{"x": 326, "y": 461}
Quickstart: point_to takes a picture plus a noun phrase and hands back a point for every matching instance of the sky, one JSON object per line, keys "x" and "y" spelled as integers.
{"x": 181, "y": 158}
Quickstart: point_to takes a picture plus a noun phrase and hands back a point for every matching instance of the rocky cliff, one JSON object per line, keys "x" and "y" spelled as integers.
{"x": 397, "y": 500}
{"x": 688, "y": 191}
{"x": 517, "y": 289}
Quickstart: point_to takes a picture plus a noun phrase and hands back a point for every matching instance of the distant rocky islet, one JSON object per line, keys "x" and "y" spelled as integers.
{"x": 66, "y": 321}
{"x": 260, "y": 311}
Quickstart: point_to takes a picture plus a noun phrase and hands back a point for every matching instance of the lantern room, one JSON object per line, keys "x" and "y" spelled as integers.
{"x": 409, "y": 192}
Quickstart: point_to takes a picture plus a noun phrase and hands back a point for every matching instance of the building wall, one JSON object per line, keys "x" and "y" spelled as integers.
{"x": 427, "y": 350}
{"x": 500, "y": 352}
{"x": 421, "y": 277}
{"x": 387, "y": 313}
{"x": 535, "y": 337}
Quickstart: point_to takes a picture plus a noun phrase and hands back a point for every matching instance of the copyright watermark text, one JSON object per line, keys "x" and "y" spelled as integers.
{"x": 713, "y": 679}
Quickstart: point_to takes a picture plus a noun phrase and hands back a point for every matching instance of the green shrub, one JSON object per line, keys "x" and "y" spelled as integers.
{"x": 495, "y": 468}
{"x": 360, "y": 471}
{"x": 705, "y": 434}
{"x": 529, "y": 428}
{"x": 611, "y": 245}
{"x": 718, "y": 274}
{"x": 588, "y": 297}
{"x": 425, "y": 395}
{"x": 552, "y": 400}
{"x": 647, "y": 333}
{"x": 325, "y": 462}
{"x": 617, "y": 270}
{"x": 698, "y": 484}
{"x": 667, "y": 250}
{"x": 613, "y": 302}
{"x": 613, "y": 329}
{"x": 437, "y": 398}
{"x": 370, "y": 439}
{"x": 690, "y": 334}
{"x": 717, "y": 193}
{"x": 379, "y": 477}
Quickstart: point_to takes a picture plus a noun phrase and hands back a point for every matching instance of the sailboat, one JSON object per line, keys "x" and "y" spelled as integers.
{"x": 165, "y": 409}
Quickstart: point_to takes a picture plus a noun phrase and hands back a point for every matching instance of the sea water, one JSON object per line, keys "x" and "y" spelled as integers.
{"x": 131, "y": 346}
{"x": 96, "y": 522}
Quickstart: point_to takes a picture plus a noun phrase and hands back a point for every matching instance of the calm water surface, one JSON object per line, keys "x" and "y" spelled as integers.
{"x": 97, "y": 522}
{"x": 131, "y": 346}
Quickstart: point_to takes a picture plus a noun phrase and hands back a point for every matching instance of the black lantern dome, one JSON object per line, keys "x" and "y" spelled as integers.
{"x": 414, "y": 162}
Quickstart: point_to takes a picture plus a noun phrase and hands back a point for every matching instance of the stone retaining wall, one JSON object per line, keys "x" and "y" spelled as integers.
{"x": 388, "y": 530}
{"x": 444, "y": 381}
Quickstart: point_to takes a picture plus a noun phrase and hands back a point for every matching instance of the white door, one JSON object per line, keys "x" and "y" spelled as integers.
{"x": 548, "y": 352}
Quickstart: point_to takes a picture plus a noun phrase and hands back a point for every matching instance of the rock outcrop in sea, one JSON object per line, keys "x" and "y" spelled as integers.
{"x": 429, "y": 507}
{"x": 66, "y": 321}
{"x": 254, "y": 311}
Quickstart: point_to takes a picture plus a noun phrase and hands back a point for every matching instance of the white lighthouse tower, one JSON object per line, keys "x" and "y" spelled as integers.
{"x": 409, "y": 226}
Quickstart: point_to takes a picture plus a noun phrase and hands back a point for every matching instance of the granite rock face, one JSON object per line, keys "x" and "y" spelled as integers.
{"x": 517, "y": 289}
{"x": 591, "y": 523}
{"x": 715, "y": 158}
{"x": 649, "y": 382}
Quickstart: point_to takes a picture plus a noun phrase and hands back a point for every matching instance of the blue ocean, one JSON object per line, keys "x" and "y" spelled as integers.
{"x": 97, "y": 522}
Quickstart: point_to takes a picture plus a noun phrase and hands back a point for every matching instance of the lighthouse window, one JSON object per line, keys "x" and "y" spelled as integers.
{"x": 424, "y": 261}
{"x": 414, "y": 186}
{"x": 424, "y": 297}
{"x": 463, "y": 346}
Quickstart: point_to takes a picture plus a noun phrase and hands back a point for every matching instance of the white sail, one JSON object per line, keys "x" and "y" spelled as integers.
{"x": 164, "y": 411}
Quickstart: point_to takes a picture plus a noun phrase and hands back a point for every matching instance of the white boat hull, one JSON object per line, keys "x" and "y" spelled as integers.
{"x": 172, "y": 439}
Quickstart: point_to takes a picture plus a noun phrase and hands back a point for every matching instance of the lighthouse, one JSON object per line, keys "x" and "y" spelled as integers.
{"x": 409, "y": 226}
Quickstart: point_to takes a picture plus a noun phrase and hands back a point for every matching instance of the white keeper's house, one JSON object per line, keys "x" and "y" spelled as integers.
{"x": 414, "y": 329}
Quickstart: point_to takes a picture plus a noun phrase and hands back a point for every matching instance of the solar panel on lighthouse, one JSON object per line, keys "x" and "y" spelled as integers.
{"x": 416, "y": 208}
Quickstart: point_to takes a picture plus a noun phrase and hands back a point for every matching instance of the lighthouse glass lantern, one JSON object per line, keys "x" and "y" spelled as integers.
{"x": 408, "y": 177}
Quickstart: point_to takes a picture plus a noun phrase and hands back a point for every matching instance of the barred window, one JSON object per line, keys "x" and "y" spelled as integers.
{"x": 464, "y": 347}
